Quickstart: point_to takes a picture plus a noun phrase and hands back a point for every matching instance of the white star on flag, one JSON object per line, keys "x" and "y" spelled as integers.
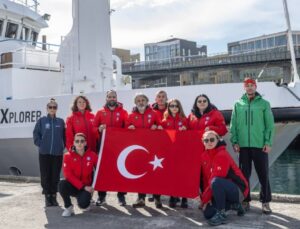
{"x": 156, "y": 162}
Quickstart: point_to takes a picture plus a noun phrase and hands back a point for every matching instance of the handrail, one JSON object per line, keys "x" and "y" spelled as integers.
{"x": 32, "y": 4}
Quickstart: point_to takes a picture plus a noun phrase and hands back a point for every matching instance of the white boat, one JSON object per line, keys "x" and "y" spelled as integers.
{"x": 30, "y": 75}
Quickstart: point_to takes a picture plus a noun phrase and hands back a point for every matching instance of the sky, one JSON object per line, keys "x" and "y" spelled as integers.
{"x": 208, "y": 22}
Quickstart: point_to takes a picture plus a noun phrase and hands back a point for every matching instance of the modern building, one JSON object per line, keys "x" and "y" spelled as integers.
{"x": 264, "y": 42}
{"x": 173, "y": 48}
{"x": 125, "y": 55}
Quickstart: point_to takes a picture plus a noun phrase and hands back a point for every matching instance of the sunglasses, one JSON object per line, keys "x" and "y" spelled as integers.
{"x": 202, "y": 101}
{"x": 206, "y": 140}
{"x": 80, "y": 141}
{"x": 173, "y": 106}
{"x": 52, "y": 107}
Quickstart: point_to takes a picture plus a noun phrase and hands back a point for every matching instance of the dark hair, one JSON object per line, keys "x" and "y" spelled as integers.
{"x": 168, "y": 113}
{"x": 74, "y": 106}
{"x": 195, "y": 109}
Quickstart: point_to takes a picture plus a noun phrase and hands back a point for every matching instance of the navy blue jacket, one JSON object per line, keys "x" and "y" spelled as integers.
{"x": 49, "y": 135}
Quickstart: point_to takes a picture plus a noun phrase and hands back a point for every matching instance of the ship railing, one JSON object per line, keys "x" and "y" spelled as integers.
{"x": 222, "y": 59}
{"x": 31, "y": 55}
{"x": 32, "y": 4}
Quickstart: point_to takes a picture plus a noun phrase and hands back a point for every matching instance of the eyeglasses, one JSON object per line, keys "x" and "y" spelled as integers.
{"x": 80, "y": 141}
{"x": 206, "y": 140}
{"x": 173, "y": 106}
{"x": 52, "y": 107}
{"x": 202, "y": 101}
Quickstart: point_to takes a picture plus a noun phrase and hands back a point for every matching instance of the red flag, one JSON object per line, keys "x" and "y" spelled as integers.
{"x": 147, "y": 161}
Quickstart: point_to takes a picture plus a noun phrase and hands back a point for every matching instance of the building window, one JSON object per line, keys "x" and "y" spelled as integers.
{"x": 264, "y": 43}
{"x": 24, "y": 34}
{"x": 1, "y": 26}
{"x": 251, "y": 45}
{"x": 270, "y": 42}
{"x": 34, "y": 37}
{"x": 258, "y": 44}
{"x": 11, "y": 30}
{"x": 280, "y": 40}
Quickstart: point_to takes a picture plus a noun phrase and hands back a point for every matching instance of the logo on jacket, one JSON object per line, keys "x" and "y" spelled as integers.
{"x": 219, "y": 168}
{"x": 118, "y": 114}
{"x": 179, "y": 123}
{"x": 88, "y": 158}
{"x": 47, "y": 126}
{"x": 136, "y": 117}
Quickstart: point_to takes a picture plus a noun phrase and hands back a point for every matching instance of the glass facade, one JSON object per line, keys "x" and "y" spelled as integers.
{"x": 11, "y": 30}
{"x": 1, "y": 26}
{"x": 261, "y": 43}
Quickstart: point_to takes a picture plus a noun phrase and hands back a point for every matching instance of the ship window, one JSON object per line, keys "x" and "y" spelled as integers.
{"x": 24, "y": 34}
{"x": 1, "y": 26}
{"x": 11, "y": 30}
{"x": 34, "y": 37}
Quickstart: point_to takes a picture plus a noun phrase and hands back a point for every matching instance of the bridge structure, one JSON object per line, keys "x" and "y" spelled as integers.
{"x": 268, "y": 65}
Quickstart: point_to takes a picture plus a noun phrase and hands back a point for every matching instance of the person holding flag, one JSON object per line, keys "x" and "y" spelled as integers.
{"x": 175, "y": 119}
{"x": 143, "y": 116}
{"x": 112, "y": 115}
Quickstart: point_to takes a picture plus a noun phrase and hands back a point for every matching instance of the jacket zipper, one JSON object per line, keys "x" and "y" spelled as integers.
{"x": 81, "y": 168}
{"x": 52, "y": 136}
{"x": 86, "y": 126}
{"x": 111, "y": 118}
{"x": 174, "y": 124}
{"x": 249, "y": 124}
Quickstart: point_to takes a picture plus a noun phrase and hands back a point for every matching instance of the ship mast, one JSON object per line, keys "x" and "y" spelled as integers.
{"x": 295, "y": 76}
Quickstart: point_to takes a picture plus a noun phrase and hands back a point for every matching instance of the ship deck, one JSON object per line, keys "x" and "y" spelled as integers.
{"x": 22, "y": 206}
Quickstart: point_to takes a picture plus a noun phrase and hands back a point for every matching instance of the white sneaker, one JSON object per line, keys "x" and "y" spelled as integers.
{"x": 68, "y": 211}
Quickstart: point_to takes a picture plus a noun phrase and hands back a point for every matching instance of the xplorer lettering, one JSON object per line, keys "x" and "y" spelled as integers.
{"x": 14, "y": 117}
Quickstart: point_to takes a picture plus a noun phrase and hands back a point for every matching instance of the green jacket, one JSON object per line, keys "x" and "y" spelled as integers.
{"x": 252, "y": 123}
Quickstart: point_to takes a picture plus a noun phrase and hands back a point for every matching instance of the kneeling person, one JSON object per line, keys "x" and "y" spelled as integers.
{"x": 78, "y": 166}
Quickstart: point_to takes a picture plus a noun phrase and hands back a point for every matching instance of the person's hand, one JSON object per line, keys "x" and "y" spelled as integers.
{"x": 182, "y": 128}
{"x": 153, "y": 127}
{"x": 236, "y": 148}
{"x": 267, "y": 149}
{"x": 205, "y": 205}
{"x": 131, "y": 127}
{"x": 160, "y": 127}
{"x": 89, "y": 189}
{"x": 101, "y": 127}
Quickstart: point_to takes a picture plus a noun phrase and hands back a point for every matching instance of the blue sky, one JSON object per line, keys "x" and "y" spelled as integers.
{"x": 210, "y": 22}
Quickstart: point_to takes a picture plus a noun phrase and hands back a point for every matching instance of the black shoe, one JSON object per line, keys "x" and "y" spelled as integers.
{"x": 122, "y": 201}
{"x": 48, "y": 200}
{"x": 53, "y": 200}
{"x": 172, "y": 202}
{"x": 151, "y": 198}
{"x": 266, "y": 208}
{"x": 246, "y": 205}
{"x": 158, "y": 203}
{"x": 101, "y": 201}
{"x": 184, "y": 203}
{"x": 218, "y": 219}
{"x": 139, "y": 203}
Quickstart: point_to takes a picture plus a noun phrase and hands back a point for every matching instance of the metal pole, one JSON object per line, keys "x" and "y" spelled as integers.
{"x": 291, "y": 44}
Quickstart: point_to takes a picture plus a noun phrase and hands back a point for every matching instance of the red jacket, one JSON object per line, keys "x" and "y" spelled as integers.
{"x": 160, "y": 113}
{"x": 112, "y": 118}
{"x": 213, "y": 119}
{"x": 81, "y": 123}
{"x": 217, "y": 162}
{"x": 78, "y": 170}
{"x": 174, "y": 123}
{"x": 145, "y": 120}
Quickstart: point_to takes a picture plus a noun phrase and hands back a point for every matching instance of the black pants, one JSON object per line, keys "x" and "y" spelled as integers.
{"x": 261, "y": 165}
{"x": 66, "y": 190}
{"x": 225, "y": 193}
{"x": 102, "y": 194}
{"x": 50, "y": 167}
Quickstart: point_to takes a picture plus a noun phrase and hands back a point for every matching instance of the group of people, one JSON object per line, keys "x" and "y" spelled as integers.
{"x": 223, "y": 184}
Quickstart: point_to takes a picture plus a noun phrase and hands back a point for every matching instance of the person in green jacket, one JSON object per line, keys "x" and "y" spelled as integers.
{"x": 252, "y": 131}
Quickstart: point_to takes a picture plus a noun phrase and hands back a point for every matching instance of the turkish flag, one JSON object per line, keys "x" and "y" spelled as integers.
{"x": 163, "y": 162}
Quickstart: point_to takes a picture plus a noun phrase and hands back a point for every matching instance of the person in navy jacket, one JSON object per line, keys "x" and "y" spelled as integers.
{"x": 49, "y": 137}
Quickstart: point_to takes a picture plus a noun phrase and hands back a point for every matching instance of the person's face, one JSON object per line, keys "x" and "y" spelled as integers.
{"x": 161, "y": 98}
{"x": 174, "y": 108}
{"x": 250, "y": 89}
{"x": 111, "y": 99}
{"x": 202, "y": 103}
{"x": 81, "y": 104}
{"x": 141, "y": 102}
{"x": 51, "y": 109}
{"x": 79, "y": 143}
{"x": 210, "y": 141}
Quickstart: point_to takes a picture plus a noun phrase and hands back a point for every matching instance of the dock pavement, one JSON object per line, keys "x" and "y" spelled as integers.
{"x": 22, "y": 206}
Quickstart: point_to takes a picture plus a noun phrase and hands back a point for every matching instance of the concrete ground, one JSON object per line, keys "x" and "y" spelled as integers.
{"x": 22, "y": 206}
